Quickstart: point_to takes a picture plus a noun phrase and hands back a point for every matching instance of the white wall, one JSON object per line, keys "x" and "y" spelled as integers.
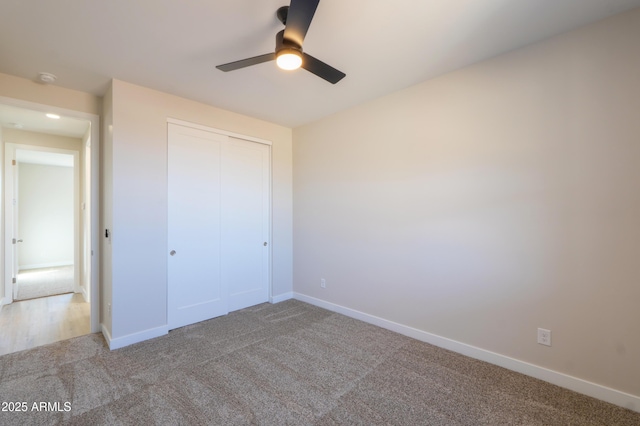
{"x": 139, "y": 202}
{"x": 45, "y": 216}
{"x": 489, "y": 202}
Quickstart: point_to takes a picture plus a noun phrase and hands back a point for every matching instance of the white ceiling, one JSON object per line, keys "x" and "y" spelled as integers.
{"x": 173, "y": 46}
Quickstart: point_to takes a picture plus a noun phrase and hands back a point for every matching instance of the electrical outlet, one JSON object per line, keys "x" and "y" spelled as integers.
{"x": 323, "y": 283}
{"x": 544, "y": 337}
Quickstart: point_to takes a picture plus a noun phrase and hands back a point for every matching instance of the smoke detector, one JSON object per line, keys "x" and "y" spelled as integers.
{"x": 46, "y": 78}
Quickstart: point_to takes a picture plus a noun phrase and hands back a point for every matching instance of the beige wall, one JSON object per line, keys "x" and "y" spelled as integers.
{"x": 489, "y": 202}
{"x": 106, "y": 208}
{"x": 41, "y": 139}
{"x": 139, "y": 200}
{"x": 27, "y": 94}
{"x": 27, "y": 90}
{"x": 5, "y": 288}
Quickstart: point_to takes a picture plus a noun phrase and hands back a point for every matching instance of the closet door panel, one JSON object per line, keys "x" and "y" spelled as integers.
{"x": 195, "y": 289}
{"x": 245, "y": 221}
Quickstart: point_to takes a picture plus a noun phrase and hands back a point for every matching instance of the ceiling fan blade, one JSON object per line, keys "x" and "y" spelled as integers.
{"x": 299, "y": 18}
{"x": 321, "y": 69}
{"x": 231, "y": 66}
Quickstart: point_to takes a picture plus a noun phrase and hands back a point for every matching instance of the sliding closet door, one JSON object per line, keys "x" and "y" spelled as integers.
{"x": 219, "y": 224}
{"x": 245, "y": 222}
{"x": 196, "y": 291}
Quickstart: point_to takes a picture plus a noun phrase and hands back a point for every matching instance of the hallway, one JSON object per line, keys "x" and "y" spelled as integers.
{"x": 43, "y": 282}
{"x": 36, "y": 322}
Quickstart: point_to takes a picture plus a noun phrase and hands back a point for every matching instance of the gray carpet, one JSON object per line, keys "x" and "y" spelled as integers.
{"x": 289, "y": 363}
{"x": 43, "y": 282}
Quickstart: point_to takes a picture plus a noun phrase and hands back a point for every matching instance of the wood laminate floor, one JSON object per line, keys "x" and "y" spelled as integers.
{"x": 29, "y": 323}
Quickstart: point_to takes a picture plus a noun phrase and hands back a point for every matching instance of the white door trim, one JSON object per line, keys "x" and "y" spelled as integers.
{"x": 218, "y": 131}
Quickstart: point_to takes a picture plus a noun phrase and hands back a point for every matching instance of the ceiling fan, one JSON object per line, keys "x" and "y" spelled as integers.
{"x": 288, "y": 54}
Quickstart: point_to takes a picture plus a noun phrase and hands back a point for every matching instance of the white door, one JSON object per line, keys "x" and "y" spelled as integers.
{"x": 195, "y": 291}
{"x": 218, "y": 224}
{"x": 245, "y": 222}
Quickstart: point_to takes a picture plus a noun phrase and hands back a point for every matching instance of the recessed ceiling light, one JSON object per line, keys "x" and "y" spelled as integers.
{"x": 54, "y": 116}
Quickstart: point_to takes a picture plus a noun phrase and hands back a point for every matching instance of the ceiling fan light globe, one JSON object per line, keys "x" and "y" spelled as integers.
{"x": 289, "y": 59}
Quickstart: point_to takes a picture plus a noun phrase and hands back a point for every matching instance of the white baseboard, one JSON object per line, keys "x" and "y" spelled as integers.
{"x": 130, "y": 339}
{"x": 85, "y": 296}
{"x": 281, "y": 297}
{"x": 44, "y": 265}
{"x": 613, "y": 396}
{"x": 106, "y": 334}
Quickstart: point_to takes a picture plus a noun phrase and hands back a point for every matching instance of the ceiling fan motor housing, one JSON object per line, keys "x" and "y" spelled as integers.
{"x": 283, "y": 45}
{"x": 282, "y": 13}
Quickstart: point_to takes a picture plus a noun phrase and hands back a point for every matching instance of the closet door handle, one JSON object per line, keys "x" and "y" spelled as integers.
{"x": 172, "y": 252}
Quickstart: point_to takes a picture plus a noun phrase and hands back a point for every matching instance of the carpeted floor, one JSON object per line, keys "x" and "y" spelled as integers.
{"x": 43, "y": 282}
{"x": 289, "y": 363}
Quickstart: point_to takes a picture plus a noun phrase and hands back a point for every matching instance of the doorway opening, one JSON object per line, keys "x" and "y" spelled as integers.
{"x": 50, "y": 232}
{"x": 46, "y": 216}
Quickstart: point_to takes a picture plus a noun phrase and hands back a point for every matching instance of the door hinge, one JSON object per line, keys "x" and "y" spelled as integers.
{"x": 13, "y": 241}
{"x": 13, "y": 162}
{"x": 13, "y": 280}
